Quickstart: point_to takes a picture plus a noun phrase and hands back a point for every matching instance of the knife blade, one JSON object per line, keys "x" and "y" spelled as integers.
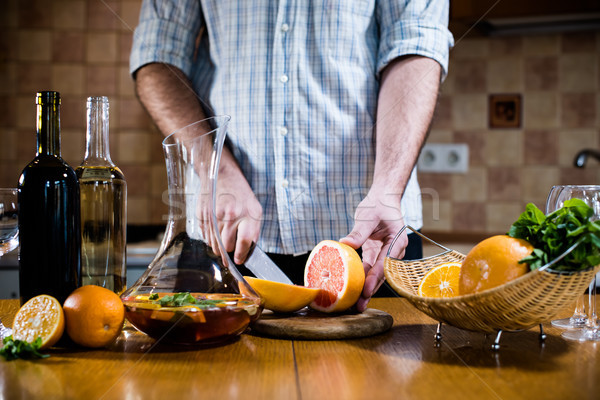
{"x": 264, "y": 268}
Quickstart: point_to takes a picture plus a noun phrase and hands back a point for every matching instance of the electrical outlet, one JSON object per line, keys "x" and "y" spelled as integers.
{"x": 444, "y": 158}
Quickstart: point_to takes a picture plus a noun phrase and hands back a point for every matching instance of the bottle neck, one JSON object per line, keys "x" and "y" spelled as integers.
{"x": 97, "y": 151}
{"x": 48, "y": 123}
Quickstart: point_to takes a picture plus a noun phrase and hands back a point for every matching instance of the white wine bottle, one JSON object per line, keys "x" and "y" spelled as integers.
{"x": 103, "y": 206}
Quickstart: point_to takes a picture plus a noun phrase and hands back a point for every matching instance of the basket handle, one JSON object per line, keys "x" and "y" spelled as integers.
{"x": 418, "y": 233}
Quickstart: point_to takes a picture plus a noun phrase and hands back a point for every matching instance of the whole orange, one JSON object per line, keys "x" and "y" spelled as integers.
{"x": 94, "y": 316}
{"x": 493, "y": 262}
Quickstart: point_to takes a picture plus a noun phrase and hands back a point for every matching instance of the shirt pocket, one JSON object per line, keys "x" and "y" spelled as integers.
{"x": 351, "y": 30}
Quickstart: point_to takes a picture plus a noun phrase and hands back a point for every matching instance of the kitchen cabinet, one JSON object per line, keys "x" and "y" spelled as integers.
{"x": 9, "y": 280}
{"x": 139, "y": 255}
{"x": 505, "y": 17}
{"x": 9, "y": 283}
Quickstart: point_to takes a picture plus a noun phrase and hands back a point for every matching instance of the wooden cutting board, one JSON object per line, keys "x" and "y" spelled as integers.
{"x": 308, "y": 324}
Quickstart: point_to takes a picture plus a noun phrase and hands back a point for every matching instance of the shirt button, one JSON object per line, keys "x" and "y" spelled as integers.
{"x": 285, "y": 183}
{"x": 283, "y": 131}
{"x": 283, "y": 78}
{"x": 285, "y": 27}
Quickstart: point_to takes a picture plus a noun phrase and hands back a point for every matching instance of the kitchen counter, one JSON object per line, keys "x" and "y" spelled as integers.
{"x": 402, "y": 363}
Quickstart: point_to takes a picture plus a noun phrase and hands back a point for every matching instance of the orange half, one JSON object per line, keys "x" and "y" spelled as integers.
{"x": 42, "y": 316}
{"x": 282, "y": 297}
{"x": 441, "y": 281}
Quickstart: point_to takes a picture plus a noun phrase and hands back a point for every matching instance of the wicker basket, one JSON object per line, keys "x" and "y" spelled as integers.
{"x": 523, "y": 303}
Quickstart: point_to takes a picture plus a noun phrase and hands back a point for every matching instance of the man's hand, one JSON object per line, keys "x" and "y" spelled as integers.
{"x": 239, "y": 214}
{"x": 378, "y": 219}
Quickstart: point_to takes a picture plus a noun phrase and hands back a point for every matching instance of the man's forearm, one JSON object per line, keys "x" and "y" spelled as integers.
{"x": 407, "y": 98}
{"x": 168, "y": 96}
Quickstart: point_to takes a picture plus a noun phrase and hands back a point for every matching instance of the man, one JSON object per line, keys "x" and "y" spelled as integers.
{"x": 331, "y": 101}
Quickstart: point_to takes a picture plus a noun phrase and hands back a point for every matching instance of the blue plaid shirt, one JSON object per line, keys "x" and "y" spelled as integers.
{"x": 300, "y": 80}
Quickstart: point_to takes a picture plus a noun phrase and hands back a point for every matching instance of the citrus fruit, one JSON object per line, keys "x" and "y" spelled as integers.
{"x": 41, "y": 316}
{"x": 337, "y": 270}
{"x": 493, "y": 262}
{"x": 94, "y": 316}
{"x": 282, "y": 297}
{"x": 441, "y": 281}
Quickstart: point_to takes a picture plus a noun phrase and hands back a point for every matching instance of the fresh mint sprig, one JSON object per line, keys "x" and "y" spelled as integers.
{"x": 15, "y": 348}
{"x": 553, "y": 234}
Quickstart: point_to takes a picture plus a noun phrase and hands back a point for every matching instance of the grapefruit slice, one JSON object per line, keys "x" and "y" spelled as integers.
{"x": 282, "y": 297}
{"x": 42, "y": 316}
{"x": 441, "y": 281}
{"x": 337, "y": 270}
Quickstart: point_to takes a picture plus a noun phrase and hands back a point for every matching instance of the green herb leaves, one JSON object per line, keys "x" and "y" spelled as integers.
{"x": 184, "y": 299}
{"x": 177, "y": 300}
{"x": 555, "y": 233}
{"x": 14, "y": 348}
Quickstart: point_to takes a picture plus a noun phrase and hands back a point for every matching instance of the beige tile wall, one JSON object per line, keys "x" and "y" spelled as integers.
{"x": 558, "y": 77}
{"x": 81, "y": 48}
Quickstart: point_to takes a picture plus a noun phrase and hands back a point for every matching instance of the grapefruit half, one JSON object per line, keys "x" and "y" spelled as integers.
{"x": 337, "y": 270}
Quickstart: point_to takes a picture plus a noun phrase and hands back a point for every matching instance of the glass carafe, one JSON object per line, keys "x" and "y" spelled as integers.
{"x": 191, "y": 292}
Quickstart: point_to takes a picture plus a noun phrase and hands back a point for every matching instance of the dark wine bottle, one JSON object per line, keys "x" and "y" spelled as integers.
{"x": 49, "y": 213}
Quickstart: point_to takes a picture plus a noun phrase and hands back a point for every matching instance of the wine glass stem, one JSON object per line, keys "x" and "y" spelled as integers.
{"x": 592, "y": 321}
{"x": 579, "y": 314}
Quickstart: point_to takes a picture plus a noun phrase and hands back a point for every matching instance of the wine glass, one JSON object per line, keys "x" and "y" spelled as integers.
{"x": 557, "y": 196}
{"x": 9, "y": 231}
{"x": 591, "y": 195}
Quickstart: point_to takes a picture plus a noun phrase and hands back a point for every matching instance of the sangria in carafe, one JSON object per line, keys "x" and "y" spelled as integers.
{"x": 192, "y": 292}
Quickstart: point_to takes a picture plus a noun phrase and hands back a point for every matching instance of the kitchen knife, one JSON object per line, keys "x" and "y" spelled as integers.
{"x": 264, "y": 268}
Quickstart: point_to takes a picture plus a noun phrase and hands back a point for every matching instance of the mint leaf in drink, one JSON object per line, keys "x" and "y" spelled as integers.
{"x": 177, "y": 300}
{"x": 14, "y": 348}
{"x": 186, "y": 299}
{"x": 553, "y": 234}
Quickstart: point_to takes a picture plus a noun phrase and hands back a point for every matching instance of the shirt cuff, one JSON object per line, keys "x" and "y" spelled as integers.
{"x": 432, "y": 41}
{"x": 163, "y": 42}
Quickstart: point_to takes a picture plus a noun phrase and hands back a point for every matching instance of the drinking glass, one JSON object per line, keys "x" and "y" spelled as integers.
{"x": 589, "y": 329}
{"x": 9, "y": 231}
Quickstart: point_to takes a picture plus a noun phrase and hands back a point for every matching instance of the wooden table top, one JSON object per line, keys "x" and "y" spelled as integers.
{"x": 402, "y": 363}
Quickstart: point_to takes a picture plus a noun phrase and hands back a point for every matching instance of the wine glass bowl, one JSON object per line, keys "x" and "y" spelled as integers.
{"x": 9, "y": 231}
{"x": 556, "y": 197}
{"x": 9, "y": 227}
